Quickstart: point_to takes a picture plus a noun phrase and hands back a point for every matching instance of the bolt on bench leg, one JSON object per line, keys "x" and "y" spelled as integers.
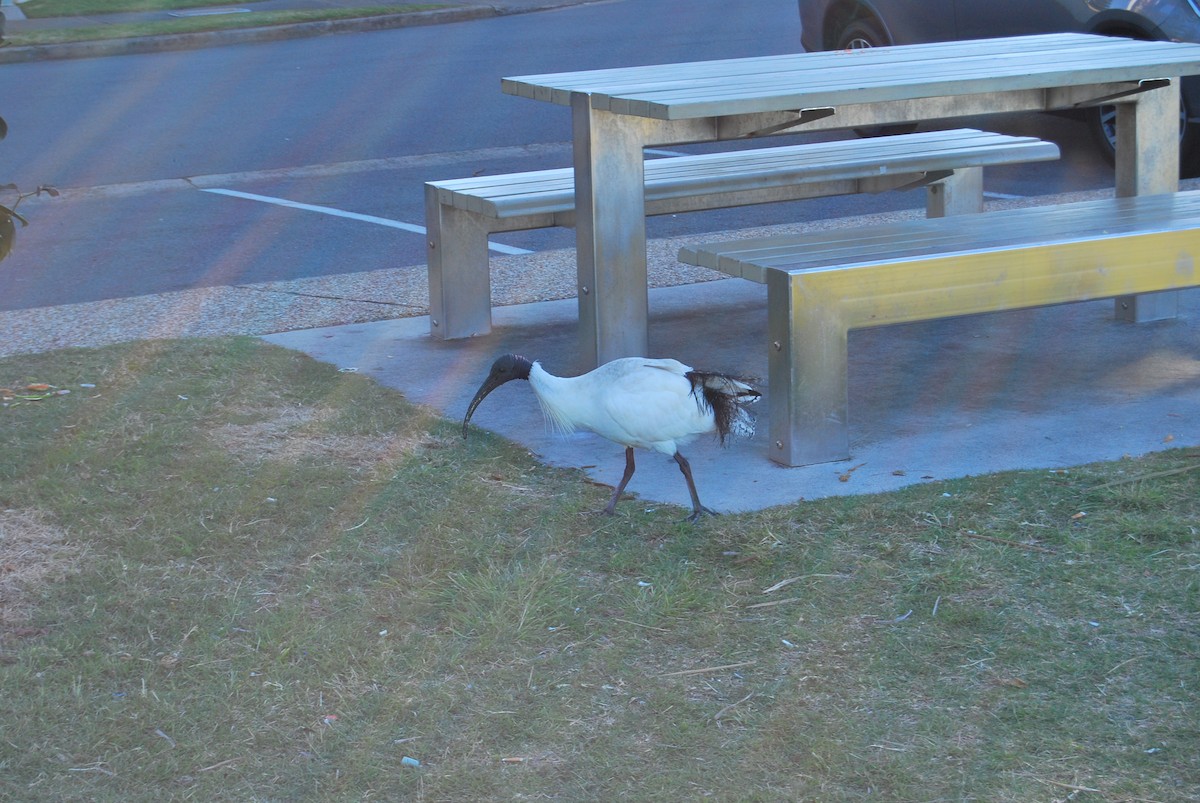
{"x": 1147, "y": 307}
{"x": 807, "y": 376}
{"x": 460, "y": 294}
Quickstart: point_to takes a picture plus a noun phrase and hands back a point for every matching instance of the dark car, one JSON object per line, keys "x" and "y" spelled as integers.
{"x": 845, "y": 24}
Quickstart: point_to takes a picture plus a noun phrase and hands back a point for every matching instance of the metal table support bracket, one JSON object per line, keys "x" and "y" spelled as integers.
{"x": 930, "y": 177}
{"x": 1144, "y": 85}
{"x": 803, "y": 117}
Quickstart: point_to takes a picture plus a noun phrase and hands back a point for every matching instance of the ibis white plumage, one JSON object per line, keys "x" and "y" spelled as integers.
{"x": 639, "y": 402}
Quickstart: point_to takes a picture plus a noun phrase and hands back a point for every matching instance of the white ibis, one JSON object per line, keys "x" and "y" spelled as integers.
{"x": 635, "y": 401}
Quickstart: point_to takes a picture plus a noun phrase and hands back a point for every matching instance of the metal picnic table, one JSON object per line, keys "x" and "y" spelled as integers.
{"x": 616, "y": 113}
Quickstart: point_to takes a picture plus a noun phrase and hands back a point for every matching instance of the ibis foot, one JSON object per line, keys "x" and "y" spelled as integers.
{"x": 701, "y": 513}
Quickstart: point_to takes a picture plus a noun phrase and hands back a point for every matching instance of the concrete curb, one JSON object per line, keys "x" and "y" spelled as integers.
{"x": 193, "y": 41}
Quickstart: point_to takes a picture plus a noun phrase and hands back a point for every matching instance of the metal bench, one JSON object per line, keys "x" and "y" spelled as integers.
{"x": 821, "y": 285}
{"x": 461, "y": 213}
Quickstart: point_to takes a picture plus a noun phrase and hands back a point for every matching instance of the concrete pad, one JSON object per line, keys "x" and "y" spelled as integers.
{"x": 1047, "y": 388}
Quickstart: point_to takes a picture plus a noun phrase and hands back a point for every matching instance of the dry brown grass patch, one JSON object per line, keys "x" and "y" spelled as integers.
{"x": 291, "y": 434}
{"x": 33, "y": 552}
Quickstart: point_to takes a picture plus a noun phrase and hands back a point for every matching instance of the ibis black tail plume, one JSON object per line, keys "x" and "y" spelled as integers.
{"x": 727, "y": 397}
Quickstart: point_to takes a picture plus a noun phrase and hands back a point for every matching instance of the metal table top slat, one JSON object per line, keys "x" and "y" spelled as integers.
{"x": 1031, "y": 50}
{"x": 612, "y": 79}
{"x": 945, "y": 237}
{"x": 883, "y": 65}
{"x": 778, "y": 83}
{"x": 859, "y": 85}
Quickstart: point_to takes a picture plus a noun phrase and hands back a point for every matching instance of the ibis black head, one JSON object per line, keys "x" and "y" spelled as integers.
{"x": 504, "y": 369}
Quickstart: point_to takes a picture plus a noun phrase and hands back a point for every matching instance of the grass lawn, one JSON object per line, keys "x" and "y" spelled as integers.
{"x": 230, "y": 572}
{"x": 40, "y": 9}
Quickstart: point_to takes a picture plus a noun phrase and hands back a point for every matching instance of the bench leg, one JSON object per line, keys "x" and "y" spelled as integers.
{"x": 1147, "y": 307}
{"x": 807, "y": 377}
{"x": 1148, "y": 164}
{"x": 808, "y": 360}
{"x": 610, "y": 233}
{"x": 960, "y": 194}
{"x": 460, "y": 286}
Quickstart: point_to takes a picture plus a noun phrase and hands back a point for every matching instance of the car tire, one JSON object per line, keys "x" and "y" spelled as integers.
{"x": 861, "y": 33}
{"x": 1102, "y": 120}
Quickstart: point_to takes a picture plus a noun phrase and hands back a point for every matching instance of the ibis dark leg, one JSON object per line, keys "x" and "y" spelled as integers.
{"x": 612, "y": 503}
{"x": 698, "y": 509}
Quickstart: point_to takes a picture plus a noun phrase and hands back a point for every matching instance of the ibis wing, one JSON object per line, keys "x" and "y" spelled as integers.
{"x": 653, "y": 408}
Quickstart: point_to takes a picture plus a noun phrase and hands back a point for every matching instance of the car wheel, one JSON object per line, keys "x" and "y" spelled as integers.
{"x": 1102, "y": 120}
{"x": 862, "y": 33}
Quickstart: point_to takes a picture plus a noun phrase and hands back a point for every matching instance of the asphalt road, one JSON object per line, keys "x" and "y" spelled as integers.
{"x": 352, "y": 124}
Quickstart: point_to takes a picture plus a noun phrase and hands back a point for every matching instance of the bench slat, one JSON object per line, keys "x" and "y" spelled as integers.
{"x": 908, "y": 240}
{"x": 551, "y": 191}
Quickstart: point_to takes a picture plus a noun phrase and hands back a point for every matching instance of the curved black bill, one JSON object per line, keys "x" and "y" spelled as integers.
{"x": 489, "y": 384}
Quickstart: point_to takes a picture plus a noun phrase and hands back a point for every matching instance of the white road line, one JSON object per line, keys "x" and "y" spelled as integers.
{"x": 1003, "y": 196}
{"x": 329, "y": 210}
